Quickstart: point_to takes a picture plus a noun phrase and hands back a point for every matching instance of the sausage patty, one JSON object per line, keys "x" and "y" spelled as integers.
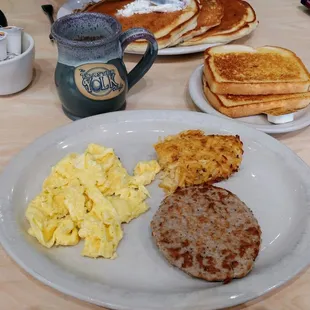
{"x": 208, "y": 232}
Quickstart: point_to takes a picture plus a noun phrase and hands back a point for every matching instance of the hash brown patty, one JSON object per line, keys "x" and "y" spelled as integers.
{"x": 192, "y": 158}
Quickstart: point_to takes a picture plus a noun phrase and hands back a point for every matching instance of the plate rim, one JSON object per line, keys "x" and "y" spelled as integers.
{"x": 302, "y": 261}
{"x": 179, "y": 50}
{"x": 199, "y": 99}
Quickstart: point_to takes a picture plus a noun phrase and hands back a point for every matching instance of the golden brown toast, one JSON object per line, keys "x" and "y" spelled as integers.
{"x": 240, "y": 106}
{"x": 239, "y": 19}
{"x": 210, "y": 15}
{"x": 167, "y": 27}
{"x": 243, "y": 70}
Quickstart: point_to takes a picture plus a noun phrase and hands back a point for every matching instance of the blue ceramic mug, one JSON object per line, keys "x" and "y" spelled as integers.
{"x": 90, "y": 75}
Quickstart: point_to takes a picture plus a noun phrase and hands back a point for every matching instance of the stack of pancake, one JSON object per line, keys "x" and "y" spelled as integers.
{"x": 200, "y": 22}
{"x": 238, "y": 20}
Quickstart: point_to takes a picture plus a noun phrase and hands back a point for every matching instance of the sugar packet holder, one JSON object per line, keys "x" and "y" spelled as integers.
{"x": 3, "y": 45}
{"x": 14, "y": 39}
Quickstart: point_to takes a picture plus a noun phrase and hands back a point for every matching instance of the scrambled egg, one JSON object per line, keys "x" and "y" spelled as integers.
{"x": 88, "y": 197}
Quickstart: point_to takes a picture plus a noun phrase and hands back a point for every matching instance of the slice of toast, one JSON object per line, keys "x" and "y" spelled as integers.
{"x": 240, "y": 106}
{"x": 243, "y": 70}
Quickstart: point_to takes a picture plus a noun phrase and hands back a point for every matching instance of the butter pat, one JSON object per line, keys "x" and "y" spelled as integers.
{"x": 280, "y": 119}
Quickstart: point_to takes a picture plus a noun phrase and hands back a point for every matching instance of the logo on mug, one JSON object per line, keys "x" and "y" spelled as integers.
{"x": 99, "y": 81}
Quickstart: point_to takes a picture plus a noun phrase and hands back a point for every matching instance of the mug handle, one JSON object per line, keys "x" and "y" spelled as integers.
{"x": 149, "y": 56}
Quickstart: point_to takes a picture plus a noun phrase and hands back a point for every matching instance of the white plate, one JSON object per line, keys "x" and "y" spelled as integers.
{"x": 260, "y": 122}
{"x": 272, "y": 181}
{"x": 71, "y": 5}
{"x": 180, "y": 50}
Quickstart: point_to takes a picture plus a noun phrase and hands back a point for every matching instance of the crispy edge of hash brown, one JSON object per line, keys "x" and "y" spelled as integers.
{"x": 192, "y": 158}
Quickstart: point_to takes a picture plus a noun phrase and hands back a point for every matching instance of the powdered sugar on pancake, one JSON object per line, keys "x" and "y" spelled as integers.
{"x": 145, "y": 6}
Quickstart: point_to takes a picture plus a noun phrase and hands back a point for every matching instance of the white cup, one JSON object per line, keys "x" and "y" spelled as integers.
{"x": 16, "y": 73}
{"x": 14, "y": 41}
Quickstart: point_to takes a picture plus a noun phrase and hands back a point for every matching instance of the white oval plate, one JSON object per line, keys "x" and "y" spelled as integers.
{"x": 260, "y": 122}
{"x": 71, "y": 5}
{"x": 272, "y": 181}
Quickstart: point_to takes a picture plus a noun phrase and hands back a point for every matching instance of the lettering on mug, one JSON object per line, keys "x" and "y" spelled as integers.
{"x": 99, "y": 81}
